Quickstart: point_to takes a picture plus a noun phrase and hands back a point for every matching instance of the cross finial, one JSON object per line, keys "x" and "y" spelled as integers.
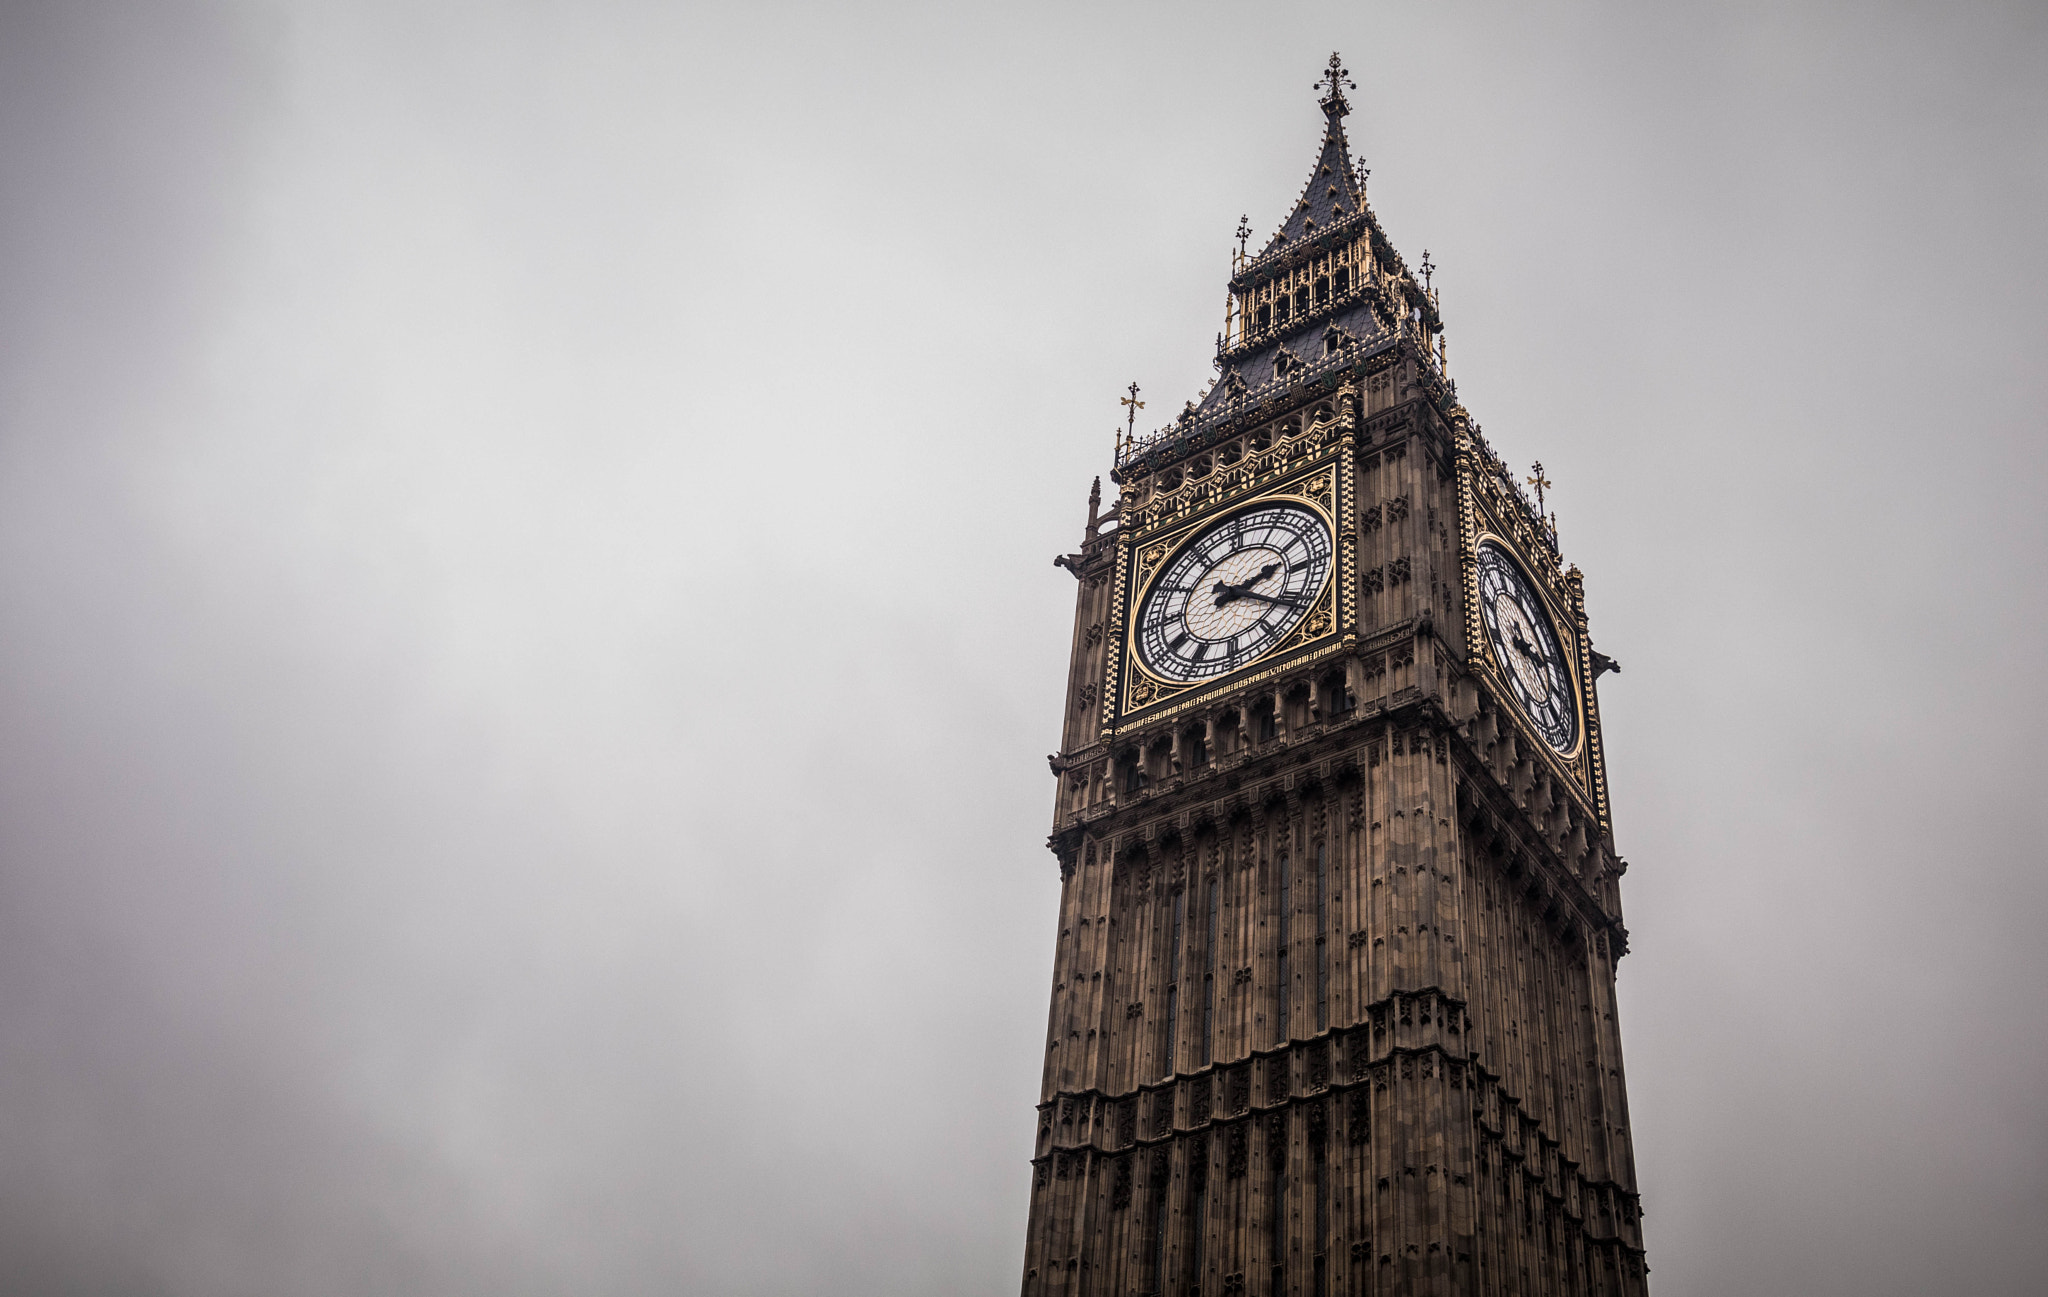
{"x": 1337, "y": 78}
{"x": 1361, "y": 173}
{"x": 1540, "y": 482}
{"x": 1244, "y": 231}
{"x": 1131, "y": 423}
{"x": 1427, "y": 270}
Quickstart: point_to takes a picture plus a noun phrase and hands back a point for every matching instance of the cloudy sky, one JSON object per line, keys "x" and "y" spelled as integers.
{"x": 527, "y": 643}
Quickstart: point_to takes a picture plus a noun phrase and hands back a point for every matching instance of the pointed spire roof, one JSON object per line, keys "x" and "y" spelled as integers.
{"x": 1331, "y": 194}
{"x": 1315, "y": 332}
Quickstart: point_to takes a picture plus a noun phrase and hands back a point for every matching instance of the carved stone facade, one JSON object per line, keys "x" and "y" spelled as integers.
{"x": 1333, "y": 1007}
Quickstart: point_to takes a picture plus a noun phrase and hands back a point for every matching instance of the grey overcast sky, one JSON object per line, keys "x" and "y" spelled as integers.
{"x": 528, "y": 645}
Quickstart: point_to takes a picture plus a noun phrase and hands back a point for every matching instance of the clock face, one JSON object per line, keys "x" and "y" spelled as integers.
{"x": 1233, "y": 592}
{"x": 1526, "y": 647}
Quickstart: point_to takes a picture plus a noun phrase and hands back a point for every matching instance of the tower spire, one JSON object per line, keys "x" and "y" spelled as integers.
{"x": 1334, "y": 191}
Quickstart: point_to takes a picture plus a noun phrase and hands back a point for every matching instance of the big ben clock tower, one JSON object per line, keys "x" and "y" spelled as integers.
{"x": 1333, "y": 1008}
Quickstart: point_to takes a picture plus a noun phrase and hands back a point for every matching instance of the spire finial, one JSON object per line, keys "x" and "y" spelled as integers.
{"x": 1337, "y": 79}
{"x": 1540, "y": 482}
{"x": 1244, "y": 231}
{"x": 1131, "y": 424}
{"x": 1427, "y": 270}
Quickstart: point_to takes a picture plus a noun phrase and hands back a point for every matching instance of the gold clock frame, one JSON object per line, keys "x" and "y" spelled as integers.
{"x": 1139, "y": 697}
{"x": 1567, "y": 644}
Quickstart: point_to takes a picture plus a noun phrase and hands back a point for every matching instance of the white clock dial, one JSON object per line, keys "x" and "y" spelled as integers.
{"x": 1229, "y": 596}
{"x": 1526, "y": 647}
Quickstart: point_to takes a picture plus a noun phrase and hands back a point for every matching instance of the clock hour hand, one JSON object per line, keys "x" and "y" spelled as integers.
{"x": 1225, "y": 592}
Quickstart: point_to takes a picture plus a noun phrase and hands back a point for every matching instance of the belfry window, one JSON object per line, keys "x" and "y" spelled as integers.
{"x": 1339, "y": 700}
{"x": 1265, "y": 317}
{"x": 1160, "y": 764}
{"x": 1229, "y": 738}
{"x": 1340, "y": 279}
{"x": 1133, "y": 773}
{"x": 1322, "y": 291}
{"x": 1285, "y": 303}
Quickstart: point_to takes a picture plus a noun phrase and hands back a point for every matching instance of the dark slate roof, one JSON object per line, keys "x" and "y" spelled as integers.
{"x": 1305, "y": 344}
{"x": 1329, "y": 199}
{"x": 1331, "y": 194}
{"x": 1331, "y": 209}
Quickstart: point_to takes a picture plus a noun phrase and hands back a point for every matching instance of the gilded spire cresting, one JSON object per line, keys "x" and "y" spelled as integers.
{"x": 1541, "y": 483}
{"x": 1336, "y": 78}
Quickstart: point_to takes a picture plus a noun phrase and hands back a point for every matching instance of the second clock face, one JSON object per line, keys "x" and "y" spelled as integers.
{"x": 1230, "y": 594}
{"x": 1526, "y": 647}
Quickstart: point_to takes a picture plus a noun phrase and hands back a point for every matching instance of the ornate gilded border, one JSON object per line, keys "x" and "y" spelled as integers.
{"x": 1594, "y": 751}
{"x": 1491, "y": 664}
{"x": 1347, "y": 519}
{"x": 1322, "y": 485}
{"x": 1119, "y": 627}
{"x": 1468, "y": 547}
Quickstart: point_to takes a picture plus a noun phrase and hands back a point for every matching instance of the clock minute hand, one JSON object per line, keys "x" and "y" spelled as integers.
{"x": 1285, "y": 603}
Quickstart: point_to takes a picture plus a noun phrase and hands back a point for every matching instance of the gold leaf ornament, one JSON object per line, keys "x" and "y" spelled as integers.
{"x": 1318, "y": 622}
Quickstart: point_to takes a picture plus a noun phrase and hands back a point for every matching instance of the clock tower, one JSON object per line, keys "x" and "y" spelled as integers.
{"x": 1333, "y": 1007}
